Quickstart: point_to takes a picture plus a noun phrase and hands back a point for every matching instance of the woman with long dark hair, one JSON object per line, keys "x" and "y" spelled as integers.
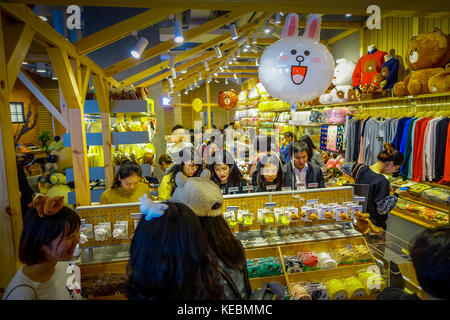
{"x": 187, "y": 161}
{"x": 170, "y": 259}
{"x": 127, "y": 185}
{"x": 269, "y": 173}
{"x": 314, "y": 155}
{"x": 225, "y": 172}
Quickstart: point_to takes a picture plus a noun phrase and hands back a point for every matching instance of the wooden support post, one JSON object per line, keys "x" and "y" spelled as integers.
{"x": 103, "y": 103}
{"x": 208, "y": 98}
{"x": 69, "y": 87}
{"x": 11, "y": 219}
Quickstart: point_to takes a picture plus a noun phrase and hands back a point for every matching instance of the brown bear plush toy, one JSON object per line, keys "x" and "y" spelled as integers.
{"x": 427, "y": 54}
{"x": 440, "y": 82}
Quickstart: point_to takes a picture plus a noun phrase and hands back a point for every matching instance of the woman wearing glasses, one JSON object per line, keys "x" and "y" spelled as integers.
{"x": 187, "y": 161}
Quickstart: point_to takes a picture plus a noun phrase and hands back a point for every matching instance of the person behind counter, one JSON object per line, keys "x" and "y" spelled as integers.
{"x": 299, "y": 172}
{"x": 225, "y": 172}
{"x": 270, "y": 174}
{"x": 189, "y": 162}
{"x": 164, "y": 162}
{"x": 127, "y": 186}
{"x": 379, "y": 200}
{"x": 167, "y": 267}
{"x": 49, "y": 238}
{"x": 314, "y": 154}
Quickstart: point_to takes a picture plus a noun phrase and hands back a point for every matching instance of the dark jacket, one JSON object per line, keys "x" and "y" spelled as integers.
{"x": 313, "y": 175}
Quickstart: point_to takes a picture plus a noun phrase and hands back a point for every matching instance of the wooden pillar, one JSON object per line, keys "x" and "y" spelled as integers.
{"x": 103, "y": 103}
{"x": 72, "y": 95}
{"x": 208, "y": 101}
{"x": 10, "y": 209}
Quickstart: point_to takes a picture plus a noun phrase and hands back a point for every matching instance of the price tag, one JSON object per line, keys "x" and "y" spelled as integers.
{"x": 233, "y": 189}
{"x": 232, "y": 208}
{"x": 312, "y": 201}
{"x": 271, "y": 187}
{"x": 313, "y": 185}
{"x": 328, "y": 184}
{"x": 359, "y": 199}
{"x": 300, "y": 186}
{"x": 270, "y": 204}
{"x": 286, "y": 189}
{"x": 247, "y": 188}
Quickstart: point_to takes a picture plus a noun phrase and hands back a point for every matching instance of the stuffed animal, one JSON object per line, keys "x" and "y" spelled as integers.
{"x": 342, "y": 81}
{"x": 141, "y": 92}
{"x": 200, "y": 194}
{"x": 375, "y": 88}
{"x": 427, "y": 54}
{"x": 227, "y": 99}
{"x": 364, "y": 225}
{"x": 440, "y": 82}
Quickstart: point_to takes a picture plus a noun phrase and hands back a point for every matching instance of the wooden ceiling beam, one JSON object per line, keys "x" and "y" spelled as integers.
{"x": 123, "y": 29}
{"x": 165, "y": 46}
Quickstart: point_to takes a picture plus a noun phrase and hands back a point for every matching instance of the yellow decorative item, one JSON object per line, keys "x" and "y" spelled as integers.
{"x": 197, "y": 105}
{"x": 372, "y": 281}
{"x": 285, "y": 221}
{"x": 354, "y": 287}
{"x": 60, "y": 190}
{"x": 57, "y": 178}
{"x": 248, "y": 221}
{"x": 336, "y": 289}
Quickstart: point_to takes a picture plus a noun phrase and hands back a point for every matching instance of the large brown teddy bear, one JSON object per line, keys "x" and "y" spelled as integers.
{"x": 441, "y": 81}
{"x": 427, "y": 54}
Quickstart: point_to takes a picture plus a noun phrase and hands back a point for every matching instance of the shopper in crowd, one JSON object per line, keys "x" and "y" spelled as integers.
{"x": 299, "y": 173}
{"x": 180, "y": 140}
{"x": 170, "y": 258}
{"x": 284, "y": 150}
{"x": 191, "y": 132}
{"x": 164, "y": 162}
{"x": 127, "y": 186}
{"x": 49, "y": 238}
{"x": 314, "y": 154}
{"x": 262, "y": 145}
{"x": 187, "y": 161}
{"x": 379, "y": 200}
{"x": 225, "y": 172}
{"x": 269, "y": 173}
{"x": 430, "y": 256}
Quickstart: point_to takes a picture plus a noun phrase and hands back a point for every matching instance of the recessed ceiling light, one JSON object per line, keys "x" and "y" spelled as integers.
{"x": 348, "y": 15}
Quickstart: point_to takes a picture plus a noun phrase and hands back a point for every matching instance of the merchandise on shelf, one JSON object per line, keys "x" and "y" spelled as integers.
{"x": 426, "y": 213}
{"x": 264, "y": 267}
{"x": 342, "y": 83}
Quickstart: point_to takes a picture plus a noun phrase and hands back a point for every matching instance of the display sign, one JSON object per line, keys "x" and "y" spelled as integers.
{"x": 166, "y": 101}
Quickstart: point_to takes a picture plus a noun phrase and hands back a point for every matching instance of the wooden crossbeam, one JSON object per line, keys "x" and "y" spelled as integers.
{"x": 165, "y": 46}
{"x": 18, "y": 37}
{"x": 36, "y": 90}
{"x": 85, "y": 75}
{"x": 239, "y": 70}
{"x": 122, "y": 29}
{"x": 249, "y": 27}
{"x": 250, "y": 55}
{"x": 335, "y": 25}
{"x": 48, "y": 36}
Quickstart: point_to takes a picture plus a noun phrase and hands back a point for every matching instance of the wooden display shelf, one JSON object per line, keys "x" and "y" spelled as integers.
{"x": 414, "y": 219}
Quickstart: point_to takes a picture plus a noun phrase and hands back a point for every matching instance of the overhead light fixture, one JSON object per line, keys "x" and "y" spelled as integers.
{"x": 178, "y": 33}
{"x": 43, "y": 18}
{"x": 348, "y": 15}
{"x": 139, "y": 48}
{"x": 216, "y": 81}
{"x": 257, "y": 62}
{"x": 199, "y": 76}
{"x": 171, "y": 60}
{"x": 218, "y": 52}
{"x": 254, "y": 38}
{"x": 241, "y": 41}
{"x": 233, "y": 31}
{"x": 221, "y": 69}
{"x": 195, "y": 83}
{"x": 209, "y": 79}
{"x": 235, "y": 76}
{"x": 238, "y": 52}
{"x": 24, "y": 62}
{"x": 226, "y": 81}
{"x": 183, "y": 71}
{"x": 231, "y": 61}
{"x": 278, "y": 18}
{"x": 170, "y": 82}
{"x": 266, "y": 27}
{"x": 245, "y": 50}
{"x": 215, "y": 74}
{"x": 173, "y": 72}
{"x": 186, "y": 91}
{"x": 54, "y": 77}
{"x": 206, "y": 65}
{"x": 41, "y": 67}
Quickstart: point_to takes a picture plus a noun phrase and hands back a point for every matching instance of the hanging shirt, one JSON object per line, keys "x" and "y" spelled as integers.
{"x": 446, "y": 177}
{"x": 356, "y": 140}
{"x": 392, "y": 77}
{"x": 411, "y": 157}
{"x": 323, "y": 137}
{"x": 417, "y": 171}
{"x": 374, "y": 137}
{"x": 396, "y": 142}
{"x": 407, "y": 148}
{"x": 430, "y": 149}
{"x": 361, "y": 145}
{"x": 441, "y": 139}
{"x": 427, "y": 153}
{"x": 332, "y": 138}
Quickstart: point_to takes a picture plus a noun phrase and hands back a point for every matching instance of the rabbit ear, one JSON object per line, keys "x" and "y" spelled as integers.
{"x": 290, "y": 26}
{"x": 312, "y": 30}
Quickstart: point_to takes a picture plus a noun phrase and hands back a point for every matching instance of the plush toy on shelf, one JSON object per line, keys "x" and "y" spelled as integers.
{"x": 375, "y": 89}
{"x": 440, "y": 82}
{"x": 342, "y": 81}
{"x": 364, "y": 225}
{"x": 366, "y": 67}
{"x": 427, "y": 54}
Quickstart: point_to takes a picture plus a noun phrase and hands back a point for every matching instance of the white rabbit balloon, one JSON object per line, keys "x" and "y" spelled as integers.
{"x": 297, "y": 69}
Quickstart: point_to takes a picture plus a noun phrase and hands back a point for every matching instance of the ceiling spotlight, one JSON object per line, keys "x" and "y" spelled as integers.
{"x": 195, "y": 83}
{"x": 348, "y": 15}
{"x": 186, "y": 91}
{"x": 215, "y": 74}
{"x": 238, "y": 53}
{"x": 254, "y": 38}
{"x": 183, "y": 71}
{"x": 233, "y": 31}
{"x": 257, "y": 62}
{"x": 199, "y": 76}
{"x": 245, "y": 50}
{"x": 139, "y": 48}
{"x": 209, "y": 79}
{"x": 206, "y": 65}
{"x": 173, "y": 72}
{"x": 226, "y": 81}
{"x": 216, "y": 81}
{"x": 41, "y": 67}
{"x": 231, "y": 61}
{"x": 177, "y": 32}
{"x": 278, "y": 18}
{"x": 221, "y": 69}
{"x": 241, "y": 41}
{"x": 266, "y": 27}
{"x": 235, "y": 76}
{"x": 54, "y": 77}
{"x": 24, "y": 62}
{"x": 170, "y": 82}
{"x": 43, "y": 18}
{"x": 218, "y": 52}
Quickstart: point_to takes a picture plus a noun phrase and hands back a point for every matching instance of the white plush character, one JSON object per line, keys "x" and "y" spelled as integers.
{"x": 342, "y": 80}
{"x": 297, "y": 69}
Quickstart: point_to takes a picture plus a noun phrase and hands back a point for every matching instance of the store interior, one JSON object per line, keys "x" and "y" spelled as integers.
{"x": 86, "y": 87}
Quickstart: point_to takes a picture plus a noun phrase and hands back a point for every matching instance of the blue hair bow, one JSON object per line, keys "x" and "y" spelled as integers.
{"x": 150, "y": 209}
